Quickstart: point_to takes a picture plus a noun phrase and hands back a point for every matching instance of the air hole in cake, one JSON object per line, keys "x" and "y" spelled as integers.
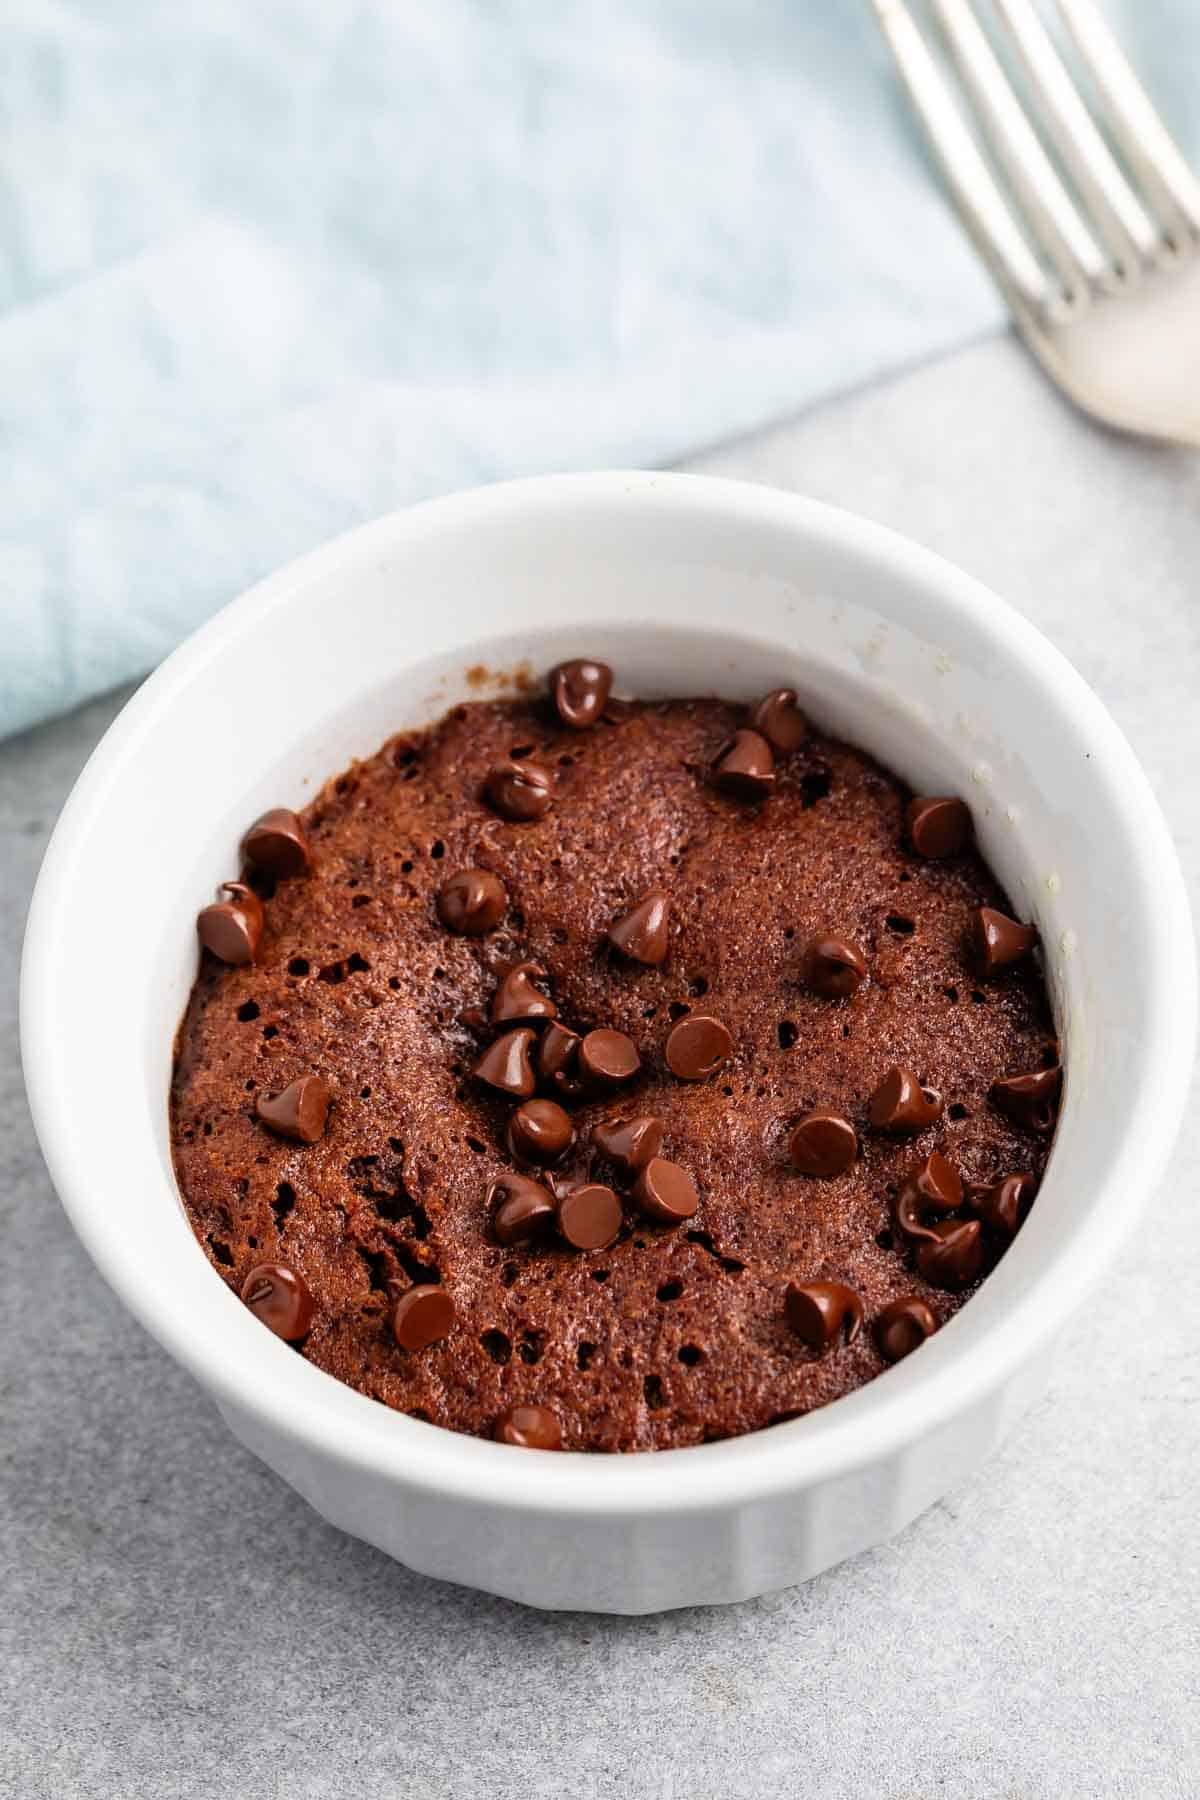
{"x": 474, "y": 1144}
{"x": 361, "y": 900}
{"x": 437, "y": 850}
{"x": 728, "y": 1092}
{"x": 364, "y": 1093}
{"x": 356, "y": 964}
{"x": 845, "y": 1031}
{"x": 439, "y": 974}
{"x": 788, "y": 1033}
{"x": 247, "y": 1010}
{"x": 532, "y": 1345}
{"x": 583, "y": 1355}
{"x": 498, "y": 1345}
{"x": 251, "y": 1085}
{"x": 677, "y": 1009}
{"x": 690, "y": 1355}
{"x": 270, "y": 1031}
{"x": 404, "y": 756}
{"x": 670, "y": 1290}
{"x": 345, "y": 784}
{"x": 394, "y": 983}
{"x": 698, "y": 987}
{"x": 333, "y": 973}
{"x": 884, "y": 1239}
{"x": 979, "y": 998}
{"x": 905, "y": 875}
{"x": 601, "y": 1274}
{"x": 520, "y": 750}
{"x": 298, "y": 966}
{"x": 957, "y": 1111}
{"x": 378, "y": 1269}
{"x": 731, "y": 1265}
{"x": 789, "y": 932}
{"x": 951, "y": 993}
{"x": 900, "y": 924}
{"x": 208, "y": 1128}
{"x": 508, "y": 1274}
{"x": 652, "y": 1388}
{"x": 406, "y": 867}
{"x": 419, "y": 1273}
{"x": 814, "y": 786}
{"x": 253, "y": 1242}
{"x": 282, "y": 1204}
{"x": 649, "y": 1012}
{"x": 221, "y": 1251}
{"x": 241, "y": 1187}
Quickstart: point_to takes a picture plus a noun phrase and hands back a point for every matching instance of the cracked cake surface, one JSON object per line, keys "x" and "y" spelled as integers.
{"x": 377, "y": 1179}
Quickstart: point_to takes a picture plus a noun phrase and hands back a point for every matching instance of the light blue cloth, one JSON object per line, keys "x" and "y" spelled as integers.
{"x": 272, "y": 267}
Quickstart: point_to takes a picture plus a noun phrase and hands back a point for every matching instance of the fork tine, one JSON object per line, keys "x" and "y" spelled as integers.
{"x": 984, "y": 210}
{"x": 1119, "y": 215}
{"x": 1135, "y": 123}
{"x": 1048, "y": 208}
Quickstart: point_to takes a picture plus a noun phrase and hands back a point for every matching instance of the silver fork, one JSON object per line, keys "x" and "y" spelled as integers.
{"x": 1102, "y": 275}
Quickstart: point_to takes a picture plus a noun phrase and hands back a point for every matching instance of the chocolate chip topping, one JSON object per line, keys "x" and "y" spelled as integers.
{"x": 520, "y": 1209}
{"x": 580, "y": 690}
{"x": 519, "y": 792}
{"x": 900, "y": 1104}
{"x": 934, "y": 1186}
{"x": 232, "y": 928}
{"x": 1029, "y": 1100}
{"x": 276, "y": 844}
{"x": 280, "y": 1298}
{"x": 539, "y": 1132}
{"x": 832, "y": 967}
{"x": 300, "y": 1111}
{"x": 517, "y": 998}
{"x": 823, "y": 1144}
{"x": 589, "y": 1217}
{"x": 472, "y": 902}
{"x": 745, "y": 767}
{"x": 1003, "y": 1205}
{"x": 422, "y": 1316}
{"x": 665, "y": 1192}
{"x": 939, "y": 826}
{"x": 558, "y": 1057}
{"x": 952, "y": 1255}
{"x": 530, "y": 1427}
{"x": 779, "y": 720}
{"x": 697, "y": 1047}
{"x": 606, "y": 1058}
{"x": 629, "y": 1143}
{"x": 506, "y": 1065}
{"x": 997, "y": 940}
{"x": 641, "y": 933}
{"x": 903, "y": 1326}
{"x": 820, "y": 1311}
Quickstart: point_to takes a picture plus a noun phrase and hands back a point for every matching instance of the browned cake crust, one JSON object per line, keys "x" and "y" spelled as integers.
{"x": 675, "y": 1334}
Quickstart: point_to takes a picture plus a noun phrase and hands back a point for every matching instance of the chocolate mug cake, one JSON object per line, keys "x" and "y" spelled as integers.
{"x": 612, "y": 1075}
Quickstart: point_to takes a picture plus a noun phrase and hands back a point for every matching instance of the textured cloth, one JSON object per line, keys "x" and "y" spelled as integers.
{"x": 267, "y": 271}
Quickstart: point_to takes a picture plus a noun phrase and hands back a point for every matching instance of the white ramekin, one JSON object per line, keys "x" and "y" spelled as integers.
{"x": 685, "y": 585}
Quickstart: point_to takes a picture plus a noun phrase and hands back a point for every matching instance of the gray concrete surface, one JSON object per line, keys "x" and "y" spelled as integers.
{"x": 174, "y": 1622}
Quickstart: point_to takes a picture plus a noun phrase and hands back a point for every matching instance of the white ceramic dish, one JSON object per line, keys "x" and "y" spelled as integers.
{"x": 685, "y": 585}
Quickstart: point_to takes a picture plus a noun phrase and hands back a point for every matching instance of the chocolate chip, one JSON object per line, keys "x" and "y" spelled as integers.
{"x": 520, "y": 1209}
{"x": 280, "y": 1298}
{"x": 820, "y": 1311}
{"x": 665, "y": 1192}
{"x": 422, "y": 1316}
{"x": 518, "y": 791}
{"x": 580, "y": 690}
{"x": 901, "y": 1105}
{"x": 1029, "y": 1100}
{"x": 903, "y": 1326}
{"x": 745, "y": 767}
{"x": 832, "y": 967}
{"x": 939, "y": 826}
{"x": 471, "y": 902}
{"x": 607, "y": 1058}
{"x": 952, "y": 1255}
{"x": 539, "y": 1132}
{"x": 300, "y": 1111}
{"x": 936, "y": 1187}
{"x": 697, "y": 1047}
{"x": 589, "y": 1217}
{"x": 517, "y": 998}
{"x": 530, "y": 1427}
{"x": 779, "y": 720}
{"x": 641, "y": 933}
{"x": 629, "y": 1143}
{"x": 276, "y": 844}
{"x": 557, "y": 1058}
{"x": 231, "y": 928}
{"x": 823, "y": 1143}
{"x": 997, "y": 940}
{"x": 1003, "y": 1205}
{"x": 506, "y": 1065}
